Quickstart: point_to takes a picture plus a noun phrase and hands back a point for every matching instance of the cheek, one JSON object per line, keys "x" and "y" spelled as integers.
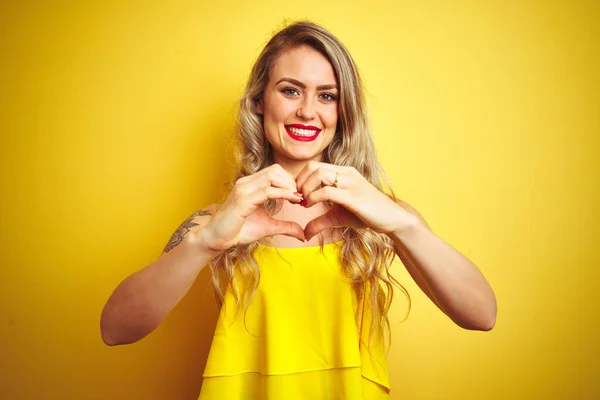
{"x": 332, "y": 118}
{"x": 277, "y": 111}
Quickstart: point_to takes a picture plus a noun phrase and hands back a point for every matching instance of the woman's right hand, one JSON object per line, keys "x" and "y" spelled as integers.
{"x": 243, "y": 218}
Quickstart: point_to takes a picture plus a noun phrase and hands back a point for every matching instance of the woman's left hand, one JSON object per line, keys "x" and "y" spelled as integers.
{"x": 357, "y": 203}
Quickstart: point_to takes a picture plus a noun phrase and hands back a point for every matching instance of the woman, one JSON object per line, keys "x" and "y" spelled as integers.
{"x": 301, "y": 247}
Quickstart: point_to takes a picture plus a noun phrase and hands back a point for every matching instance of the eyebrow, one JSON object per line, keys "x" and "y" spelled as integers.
{"x": 303, "y": 86}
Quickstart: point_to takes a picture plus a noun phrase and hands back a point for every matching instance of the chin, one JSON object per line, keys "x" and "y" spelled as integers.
{"x": 306, "y": 154}
{"x": 302, "y": 157}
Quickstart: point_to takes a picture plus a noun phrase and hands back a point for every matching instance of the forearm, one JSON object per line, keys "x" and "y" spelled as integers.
{"x": 143, "y": 300}
{"x": 454, "y": 283}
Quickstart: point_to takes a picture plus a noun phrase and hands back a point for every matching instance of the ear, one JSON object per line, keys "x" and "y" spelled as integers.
{"x": 259, "y": 107}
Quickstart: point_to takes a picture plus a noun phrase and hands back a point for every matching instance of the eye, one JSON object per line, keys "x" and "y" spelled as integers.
{"x": 289, "y": 91}
{"x": 329, "y": 97}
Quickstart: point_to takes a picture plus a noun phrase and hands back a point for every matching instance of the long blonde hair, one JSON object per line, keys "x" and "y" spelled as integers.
{"x": 365, "y": 255}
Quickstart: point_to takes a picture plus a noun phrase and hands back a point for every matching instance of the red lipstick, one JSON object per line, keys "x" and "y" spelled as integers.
{"x": 302, "y": 138}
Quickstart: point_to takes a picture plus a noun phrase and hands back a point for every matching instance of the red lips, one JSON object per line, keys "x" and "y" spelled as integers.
{"x": 300, "y": 126}
{"x": 302, "y": 138}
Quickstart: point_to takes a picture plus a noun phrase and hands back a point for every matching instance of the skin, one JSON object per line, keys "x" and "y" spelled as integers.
{"x": 302, "y": 89}
{"x": 448, "y": 278}
{"x": 453, "y": 283}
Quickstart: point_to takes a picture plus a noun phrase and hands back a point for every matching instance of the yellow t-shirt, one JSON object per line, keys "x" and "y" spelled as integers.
{"x": 304, "y": 335}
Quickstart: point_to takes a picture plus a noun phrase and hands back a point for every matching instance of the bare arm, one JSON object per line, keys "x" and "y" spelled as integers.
{"x": 144, "y": 299}
{"x": 446, "y": 276}
{"x": 452, "y": 281}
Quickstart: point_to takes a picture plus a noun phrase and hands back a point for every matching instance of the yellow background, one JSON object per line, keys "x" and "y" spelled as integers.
{"x": 116, "y": 123}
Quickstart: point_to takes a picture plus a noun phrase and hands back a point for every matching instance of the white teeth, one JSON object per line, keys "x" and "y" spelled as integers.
{"x": 303, "y": 132}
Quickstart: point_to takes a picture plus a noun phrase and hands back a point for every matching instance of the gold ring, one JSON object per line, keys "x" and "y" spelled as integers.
{"x": 337, "y": 178}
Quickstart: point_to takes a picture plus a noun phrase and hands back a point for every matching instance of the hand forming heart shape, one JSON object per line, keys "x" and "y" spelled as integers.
{"x": 356, "y": 203}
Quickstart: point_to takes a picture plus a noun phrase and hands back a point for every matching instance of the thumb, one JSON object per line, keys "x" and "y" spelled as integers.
{"x": 318, "y": 224}
{"x": 287, "y": 228}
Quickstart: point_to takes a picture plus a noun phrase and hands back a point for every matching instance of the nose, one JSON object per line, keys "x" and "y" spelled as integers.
{"x": 306, "y": 109}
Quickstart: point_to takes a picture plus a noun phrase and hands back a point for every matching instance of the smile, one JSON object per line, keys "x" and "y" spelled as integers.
{"x": 302, "y": 133}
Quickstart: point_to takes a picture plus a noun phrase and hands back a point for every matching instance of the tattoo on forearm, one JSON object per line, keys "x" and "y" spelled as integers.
{"x": 183, "y": 230}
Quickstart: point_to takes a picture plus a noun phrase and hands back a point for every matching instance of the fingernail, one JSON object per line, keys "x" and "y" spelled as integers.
{"x": 298, "y": 194}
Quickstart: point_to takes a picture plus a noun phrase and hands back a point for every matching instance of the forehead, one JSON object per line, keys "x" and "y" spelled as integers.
{"x": 304, "y": 64}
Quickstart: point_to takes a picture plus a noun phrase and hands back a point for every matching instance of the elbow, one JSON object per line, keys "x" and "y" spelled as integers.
{"x": 486, "y": 321}
{"x": 483, "y": 315}
{"x": 114, "y": 333}
{"x": 491, "y": 320}
{"x": 111, "y": 330}
{"x": 108, "y": 339}
{"x": 487, "y": 324}
{"x": 478, "y": 318}
{"x": 112, "y": 337}
{"x": 107, "y": 330}
{"x": 109, "y": 336}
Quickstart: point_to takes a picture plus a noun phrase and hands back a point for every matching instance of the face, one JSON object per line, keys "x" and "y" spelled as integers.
{"x": 300, "y": 105}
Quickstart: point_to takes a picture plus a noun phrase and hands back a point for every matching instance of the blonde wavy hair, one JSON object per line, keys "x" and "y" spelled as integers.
{"x": 365, "y": 255}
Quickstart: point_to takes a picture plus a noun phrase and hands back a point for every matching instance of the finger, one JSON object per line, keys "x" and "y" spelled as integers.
{"x": 272, "y": 178}
{"x": 280, "y": 171}
{"x": 284, "y": 176}
{"x": 327, "y": 193}
{"x": 260, "y": 196}
{"x": 307, "y": 171}
{"x": 287, "y": 228}
{"x": 321, "y": 223}
{"x": 321, "y": 176}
